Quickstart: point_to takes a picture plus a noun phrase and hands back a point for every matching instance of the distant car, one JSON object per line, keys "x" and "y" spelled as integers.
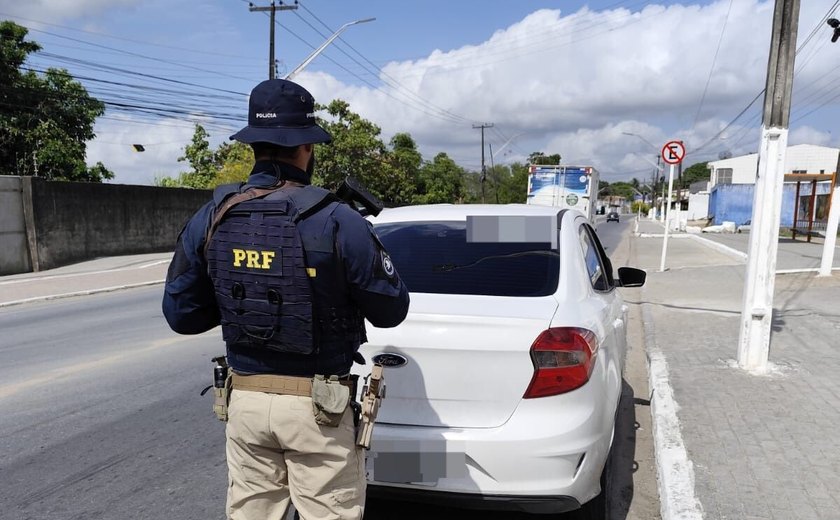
{"x": 504, "y": 379}
{"x": 612, "y": 215}
{"x": 745, "y": 227}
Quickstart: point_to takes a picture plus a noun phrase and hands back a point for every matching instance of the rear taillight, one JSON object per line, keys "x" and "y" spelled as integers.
{"x": 563, "y": 359}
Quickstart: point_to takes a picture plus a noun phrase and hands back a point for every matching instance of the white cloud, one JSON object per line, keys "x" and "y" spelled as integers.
{"x": 164, "y": 142}
{"x": 808, "y": 135}
{"x": 573, "y": 82}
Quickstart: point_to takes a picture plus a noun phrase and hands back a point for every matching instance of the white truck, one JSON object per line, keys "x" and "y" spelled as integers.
{"x": 564, "y": 186}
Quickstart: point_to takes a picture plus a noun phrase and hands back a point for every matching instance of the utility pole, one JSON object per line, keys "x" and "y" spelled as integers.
{"x": 832, "y": 224}
{"x": 760, "y": 279}
{"x": 271, "y": 8}
{"x": 656, "y": 174}
{"x": 483, "y": 167}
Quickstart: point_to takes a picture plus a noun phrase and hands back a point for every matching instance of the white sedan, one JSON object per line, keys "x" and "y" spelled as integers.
{"x": 504, "y": 380}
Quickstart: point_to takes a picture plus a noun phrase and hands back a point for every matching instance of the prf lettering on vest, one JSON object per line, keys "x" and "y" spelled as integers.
{"x": 253, "y": 259}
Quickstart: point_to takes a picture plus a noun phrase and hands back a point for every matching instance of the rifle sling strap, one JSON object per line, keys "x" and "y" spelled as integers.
{"x": 249, "y": 194}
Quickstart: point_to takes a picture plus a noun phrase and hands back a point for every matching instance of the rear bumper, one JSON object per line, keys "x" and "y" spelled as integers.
{"x": 525, "y": 504}
{"x": 547, "y": 457}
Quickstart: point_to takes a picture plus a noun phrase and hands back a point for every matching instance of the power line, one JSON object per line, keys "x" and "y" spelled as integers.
{"x": 741, "y": 113}
{"x": 712, "y": 68}
{"x": 138, "y": 55}
{"x": 141, "y": 42}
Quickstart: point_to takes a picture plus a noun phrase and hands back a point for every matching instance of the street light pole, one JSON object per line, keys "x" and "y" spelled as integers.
{"x": 323, "y": 46}
{"x": 643, "y": 139}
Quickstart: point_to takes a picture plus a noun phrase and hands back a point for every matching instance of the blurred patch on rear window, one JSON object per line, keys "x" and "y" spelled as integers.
{"x": 435, "y": 257}
{"x": 512, "y": 228}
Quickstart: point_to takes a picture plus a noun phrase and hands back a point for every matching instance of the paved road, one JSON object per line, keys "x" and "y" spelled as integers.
{"x": 100, "y": 415}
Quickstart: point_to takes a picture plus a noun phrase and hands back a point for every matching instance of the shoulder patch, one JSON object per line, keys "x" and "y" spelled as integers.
{"x": 387, "y": 264}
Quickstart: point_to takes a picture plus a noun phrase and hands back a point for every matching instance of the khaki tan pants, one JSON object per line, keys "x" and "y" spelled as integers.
{"x": 277, "y": 452}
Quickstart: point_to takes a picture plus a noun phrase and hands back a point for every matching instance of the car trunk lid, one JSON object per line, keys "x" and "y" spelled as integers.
{"x": 467, "y": 359}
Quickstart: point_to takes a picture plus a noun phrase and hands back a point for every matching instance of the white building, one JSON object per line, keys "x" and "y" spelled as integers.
{"x": 800, "y": 158}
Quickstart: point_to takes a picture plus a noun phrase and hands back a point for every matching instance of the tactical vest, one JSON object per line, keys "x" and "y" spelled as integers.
{"x": 257, "y": 262}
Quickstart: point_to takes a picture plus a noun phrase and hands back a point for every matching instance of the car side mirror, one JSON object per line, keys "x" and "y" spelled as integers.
{"x": 631, "y": 277}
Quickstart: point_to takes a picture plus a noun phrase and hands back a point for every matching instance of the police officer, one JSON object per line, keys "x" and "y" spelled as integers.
{"x": 290, "y": 273}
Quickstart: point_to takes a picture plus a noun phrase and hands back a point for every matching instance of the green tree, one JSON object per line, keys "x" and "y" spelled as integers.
{"x": 696, "y": 172}
{"x": 541, "y": 158}
{"x": 507, "y": 184}
{"x": 621, "y": 189}
{"x": 442, "y": 181}
{"x": 202, "y": 161}
{"x": 45, "y": 120}
{"x": 234, "y": 161}
{"x": 403, "y": 170}
{"x": 98, "y": 173}
{"x": 356, "y": 148}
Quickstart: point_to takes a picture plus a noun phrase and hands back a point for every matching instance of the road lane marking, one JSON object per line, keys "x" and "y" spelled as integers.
{"x": 50, "y": 377}
{"x": 86, "y": 273}
{"x": 86, "y": 292}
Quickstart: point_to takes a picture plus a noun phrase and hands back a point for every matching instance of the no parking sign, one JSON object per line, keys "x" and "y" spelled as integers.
{"x": 673, "y": 152}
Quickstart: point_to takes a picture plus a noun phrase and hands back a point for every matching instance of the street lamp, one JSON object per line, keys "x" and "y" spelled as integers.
{"x": 643, "y": 139}
{"x": 492, "y": 155}
{"x": 654, "y": 164}
{"x": 323, "y": 46}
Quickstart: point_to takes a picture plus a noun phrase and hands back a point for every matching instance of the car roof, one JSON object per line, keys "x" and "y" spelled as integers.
{"x": 456, "y": 212}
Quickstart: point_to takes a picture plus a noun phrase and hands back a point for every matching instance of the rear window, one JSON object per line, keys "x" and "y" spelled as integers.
{"x": 435, "y": 257}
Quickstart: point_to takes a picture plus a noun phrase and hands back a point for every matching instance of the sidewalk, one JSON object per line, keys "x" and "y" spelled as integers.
{"x": 731, "y": 444}
{"x": 93, "y": 276}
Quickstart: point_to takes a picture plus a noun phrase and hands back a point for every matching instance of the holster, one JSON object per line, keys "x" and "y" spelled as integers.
{"x": 221, "y": 399}
{"x": 372, "y": 394}
{"x": 221, "y": 394}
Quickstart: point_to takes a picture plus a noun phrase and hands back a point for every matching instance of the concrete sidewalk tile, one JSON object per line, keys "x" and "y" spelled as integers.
{"x": 755, "y": 502}
{"x": 801, "y": 503}
{"x": 760, "y": 445}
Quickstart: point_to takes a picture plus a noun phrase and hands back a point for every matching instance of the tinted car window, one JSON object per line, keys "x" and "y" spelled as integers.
{"x": 435, "y": 257}
{"x": 594, "y": 265}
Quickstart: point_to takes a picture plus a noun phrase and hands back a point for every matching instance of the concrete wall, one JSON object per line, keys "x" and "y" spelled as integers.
{"x": 698, "y": 206}
{"x": 14, "y": 253}
{"x": 67, "y": 222}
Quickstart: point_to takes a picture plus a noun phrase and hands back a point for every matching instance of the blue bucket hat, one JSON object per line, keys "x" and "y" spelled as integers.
{"x": 281, "y": 112}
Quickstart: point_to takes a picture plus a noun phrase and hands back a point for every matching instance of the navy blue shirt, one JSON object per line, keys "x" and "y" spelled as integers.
{"x": 357, "y": 272}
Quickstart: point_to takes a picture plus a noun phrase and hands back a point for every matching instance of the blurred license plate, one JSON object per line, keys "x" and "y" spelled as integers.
{"x": 414, "y": 462}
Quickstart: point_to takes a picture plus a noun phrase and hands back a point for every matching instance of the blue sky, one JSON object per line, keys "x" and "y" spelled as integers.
{"x": 565, "y": 77}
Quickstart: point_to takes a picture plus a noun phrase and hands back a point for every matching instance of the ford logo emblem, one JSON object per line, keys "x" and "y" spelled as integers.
{"x": 389, "y": 359}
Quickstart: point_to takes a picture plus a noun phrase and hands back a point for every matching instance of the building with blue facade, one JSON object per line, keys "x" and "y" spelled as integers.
{"x": 732, "y": 183}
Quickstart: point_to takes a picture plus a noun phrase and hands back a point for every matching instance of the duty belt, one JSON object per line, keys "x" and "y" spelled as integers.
{"x": 277, "y": 384}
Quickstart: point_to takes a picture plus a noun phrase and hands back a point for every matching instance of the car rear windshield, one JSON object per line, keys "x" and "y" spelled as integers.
{"x": 435, "y": 257}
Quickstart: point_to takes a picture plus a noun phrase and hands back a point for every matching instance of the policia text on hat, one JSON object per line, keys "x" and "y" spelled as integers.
{"x": 291, "y": 273}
